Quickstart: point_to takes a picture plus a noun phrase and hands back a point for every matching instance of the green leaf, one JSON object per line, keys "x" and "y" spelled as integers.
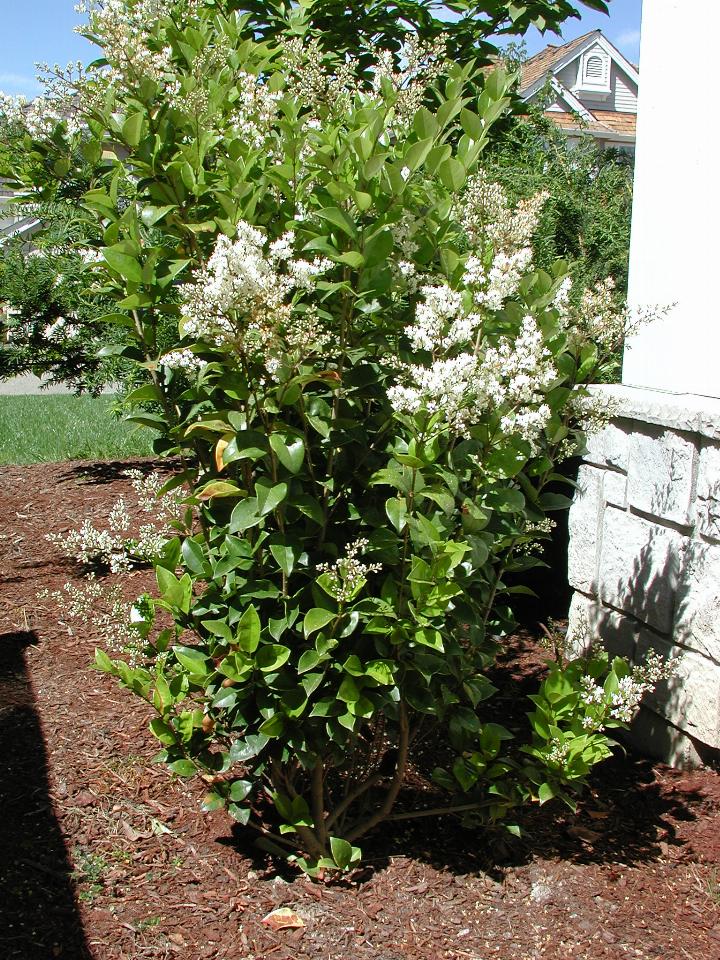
{"x": 342, "y": 852}
{"x": 471, "y": 124}
{"x": 177, "y": 593}
{"x": 245, "y": 445}
{"x": 269, "y": 499}
{"x": 338, "y": 218}
{"x": 271, "y": 657}
{"x": 240, "y": 790}
{"x": 396, "y": 510}
{"x": 382, "y": 671}
{"x": 103, "y": 661}
{"x": 152, "y": 215}
{"x": 248, "y": 748}
{"x": 219, "y": 489}
{"x": 273, "y": 726}
{"x": 425, "y": 124}
{"x": 315, "y": 619}
{"x": 247, "y": 630}
{"x": 184, "y": 768}
{"x": 437, "y": 156}
{"x": 245, "y": 515}
{"x": 193, "y": 555}
{"x": 416, "y": 153}
{"x": 241, "y": 814}
{"x": 308, "y": 661}
{"x": 545, "y": 793}
{"x": 452, "y": 174}
{"x": 555, "y": 501}
{"x": 193, "y": 660}
{"x": 284, "y": 557}
{"x": 353, "y": 259}
{"x": 127, "y": 266}
{"x": 290, "y": 451}
{"x": 348, "y": 691}
{"x": 378, "y": 248}
{"x": 133, "y": 128}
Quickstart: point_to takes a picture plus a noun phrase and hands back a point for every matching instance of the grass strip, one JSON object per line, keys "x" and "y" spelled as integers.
{"x": 48, "y": 429}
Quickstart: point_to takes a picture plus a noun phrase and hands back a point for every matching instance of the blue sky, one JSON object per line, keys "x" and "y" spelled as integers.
{"x": 42, "y": 30}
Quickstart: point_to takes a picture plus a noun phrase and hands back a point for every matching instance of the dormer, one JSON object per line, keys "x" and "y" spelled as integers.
{"x": 593, "y": 80}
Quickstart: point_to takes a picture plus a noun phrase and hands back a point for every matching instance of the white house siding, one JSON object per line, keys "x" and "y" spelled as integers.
{"x": 6, "y": 221}
{"x": 624, "y": 93}
{"x": 568, "y": 76}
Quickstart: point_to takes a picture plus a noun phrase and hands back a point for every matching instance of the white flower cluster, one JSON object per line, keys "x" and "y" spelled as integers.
{"x": 241, "y": 298}
{"x": 622, "y": 705}
{"x": 125, "y": 28}
{"x": 255, "y": 109}
{"x": 558, "y": 752}
{"x": 420, "y": 65}
{"x": 602, "y": 319}
{"x": 116, "y": 546}
{"x": 493, "y": 287}
{"x": 440, "y": 320}
{"x": 316, "y": 85}
{"x": 510, "y": 379}
{"x": 313, "y": 82}
{"x": 599, "y": 317}
{"x": 348, "y": 573}
{"x": 487, "y": 217}
{"x": 592, "y": 411}
{"x": 184, "y": 360}
{"x": 39, "y": 117}
{"x": 104, "y": 610}
{"x": 561, "y": 300}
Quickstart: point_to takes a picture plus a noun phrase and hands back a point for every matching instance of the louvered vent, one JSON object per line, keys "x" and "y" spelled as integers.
{"x": 595, "y": 68}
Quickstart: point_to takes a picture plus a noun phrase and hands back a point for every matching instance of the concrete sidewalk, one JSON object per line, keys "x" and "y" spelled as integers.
{"x": 28, "y": 384}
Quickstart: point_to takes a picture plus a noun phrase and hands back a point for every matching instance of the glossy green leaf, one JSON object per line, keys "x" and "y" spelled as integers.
{"x": 271, "y": 657}
{"x": 290, "y": 451}
{"x": 315, "y": 619}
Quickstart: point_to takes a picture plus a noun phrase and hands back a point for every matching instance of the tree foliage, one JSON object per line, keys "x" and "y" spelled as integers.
{"x": 359, "y": 29}
{"x": 587, "y": 217}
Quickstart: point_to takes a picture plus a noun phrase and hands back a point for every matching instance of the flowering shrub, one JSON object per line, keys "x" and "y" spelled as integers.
{"x": 370, "y": 392}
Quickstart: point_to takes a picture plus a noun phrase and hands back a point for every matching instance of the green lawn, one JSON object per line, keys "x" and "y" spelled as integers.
{"x": 44, "y": 429}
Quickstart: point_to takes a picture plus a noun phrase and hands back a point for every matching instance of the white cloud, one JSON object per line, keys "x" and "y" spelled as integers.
{"x": 18, "y": 83}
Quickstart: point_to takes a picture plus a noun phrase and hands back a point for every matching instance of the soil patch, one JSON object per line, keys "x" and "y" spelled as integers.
{"x": 103, "y": 855}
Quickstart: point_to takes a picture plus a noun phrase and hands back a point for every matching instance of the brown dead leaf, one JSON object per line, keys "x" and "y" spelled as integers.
{"x": 85, "y": 799}
{"x": 584, "y": 834}
{"x": 132, "y": 834}
{"x": 282, "y": 919}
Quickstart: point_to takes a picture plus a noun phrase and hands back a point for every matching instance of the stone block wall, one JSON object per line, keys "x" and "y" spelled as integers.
{"x": 644, "y": 557}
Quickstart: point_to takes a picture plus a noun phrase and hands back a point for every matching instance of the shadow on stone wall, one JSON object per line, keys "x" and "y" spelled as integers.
{"x": 682, "y": 714}
{"x": 39, "y": 919}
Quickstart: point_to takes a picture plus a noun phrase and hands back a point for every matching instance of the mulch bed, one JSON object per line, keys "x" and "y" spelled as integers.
{"x": 103, "y": 855}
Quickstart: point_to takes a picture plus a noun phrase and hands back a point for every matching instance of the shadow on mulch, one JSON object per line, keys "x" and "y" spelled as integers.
{"x": 627, "y": 816}
{"x": 39, "y": 918}
{"x": 98, "y": 473}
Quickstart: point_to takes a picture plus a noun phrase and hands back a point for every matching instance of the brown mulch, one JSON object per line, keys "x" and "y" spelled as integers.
{"x": 103, "y": 855}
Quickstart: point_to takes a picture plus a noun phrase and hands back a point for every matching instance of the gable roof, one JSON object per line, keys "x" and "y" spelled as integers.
{"x": 552, "y": 59}
{"x": 537, "y": 66}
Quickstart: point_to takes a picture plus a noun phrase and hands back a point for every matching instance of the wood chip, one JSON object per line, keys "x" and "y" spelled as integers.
{"x": 282, "y": 919}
